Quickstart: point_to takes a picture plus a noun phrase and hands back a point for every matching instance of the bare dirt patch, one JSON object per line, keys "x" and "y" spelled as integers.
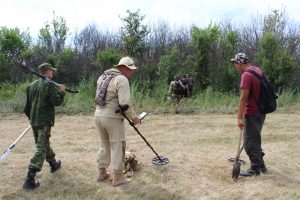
{"x": 198, "y": 147}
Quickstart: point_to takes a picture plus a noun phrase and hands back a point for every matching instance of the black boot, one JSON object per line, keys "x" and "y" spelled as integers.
{"x": 30, "y": 182}
{"x": 263, "y": 169}
{"x": 252, "y": 171}
{"x": 55, "y": 166}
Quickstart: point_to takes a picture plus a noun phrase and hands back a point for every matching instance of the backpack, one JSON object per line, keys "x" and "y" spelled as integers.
{"x": 102, "y": 85}
{"x": 267, "y": 98}
{"x": 178, "y": 90}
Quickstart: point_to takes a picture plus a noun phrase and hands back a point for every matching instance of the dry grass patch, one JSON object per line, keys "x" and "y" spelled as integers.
{"x": 197, "y": 146}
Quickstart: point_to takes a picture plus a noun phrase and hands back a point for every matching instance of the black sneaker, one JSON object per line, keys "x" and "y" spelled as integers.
{"x": 55, "y": 166}
{"x": 250, "y": 172}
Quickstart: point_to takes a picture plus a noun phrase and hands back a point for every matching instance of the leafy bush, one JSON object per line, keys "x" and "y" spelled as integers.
{"x": 12, "y": 99}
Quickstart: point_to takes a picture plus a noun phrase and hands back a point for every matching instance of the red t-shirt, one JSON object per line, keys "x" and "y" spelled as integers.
{"x": 250, "y": 82}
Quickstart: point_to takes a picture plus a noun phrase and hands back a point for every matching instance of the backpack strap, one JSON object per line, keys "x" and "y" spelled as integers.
{"x": 259, "y": 77}
{"x": 256, "y": 74}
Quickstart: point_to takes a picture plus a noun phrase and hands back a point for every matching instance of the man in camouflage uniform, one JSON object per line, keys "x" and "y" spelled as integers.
{"x": 176, "y": 94}
{"x": 113, "y": 91}
{"x": 42, "y": 96}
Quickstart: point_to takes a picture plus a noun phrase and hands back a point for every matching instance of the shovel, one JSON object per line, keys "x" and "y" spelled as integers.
{"x": 237, "y": 165}
{"x": 10, "y": 148}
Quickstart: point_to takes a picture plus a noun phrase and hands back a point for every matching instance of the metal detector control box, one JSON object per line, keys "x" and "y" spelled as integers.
{"x": 143, "y": 115}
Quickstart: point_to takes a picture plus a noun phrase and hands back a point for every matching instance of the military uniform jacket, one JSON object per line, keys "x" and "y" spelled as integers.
{"x": 172, "y": 87}
{"x": 42, "y": 96}
{"x": 118, "y": 93}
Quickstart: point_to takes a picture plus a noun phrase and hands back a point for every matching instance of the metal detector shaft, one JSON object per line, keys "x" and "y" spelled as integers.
{"x": 5, "y": 154}
{"x": 135, "y": 128}
{"x": 43, "y": 77}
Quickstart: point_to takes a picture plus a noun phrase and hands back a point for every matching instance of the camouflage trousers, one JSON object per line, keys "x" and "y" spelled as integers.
{"x": 175, "y": 102}
{"x": 42, "y": 148}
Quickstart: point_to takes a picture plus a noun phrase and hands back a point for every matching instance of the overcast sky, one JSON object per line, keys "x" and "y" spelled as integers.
{"x": 32, "y": 14}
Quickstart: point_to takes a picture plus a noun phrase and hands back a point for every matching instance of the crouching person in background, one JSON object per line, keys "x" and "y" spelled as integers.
{"x": 113, "y": 91}
{"x": 176, "y": 91}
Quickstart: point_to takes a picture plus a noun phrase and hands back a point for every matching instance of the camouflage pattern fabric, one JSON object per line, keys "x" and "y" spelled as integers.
{"x": 42, "y": 147}
{"x": 175, "y": 99}
{"x": 42, "y": 96}
{"x": 102, "y": 85}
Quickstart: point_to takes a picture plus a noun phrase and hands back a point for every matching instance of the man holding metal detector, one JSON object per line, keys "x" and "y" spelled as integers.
{"x": 250, "y": 118}
{"x": 112, "y": 92}
{"x": 42, "y": 95}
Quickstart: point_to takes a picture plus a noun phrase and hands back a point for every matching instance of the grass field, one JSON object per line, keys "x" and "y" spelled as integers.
{"x": 197, "y": 146}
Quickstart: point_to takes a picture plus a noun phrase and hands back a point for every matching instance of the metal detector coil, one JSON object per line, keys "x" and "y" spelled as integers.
{"x": 160, "y": 160}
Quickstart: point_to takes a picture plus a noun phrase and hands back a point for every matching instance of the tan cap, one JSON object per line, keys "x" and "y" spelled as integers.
{"x": 45, "y": 66}
{"x": 128, "y": 62}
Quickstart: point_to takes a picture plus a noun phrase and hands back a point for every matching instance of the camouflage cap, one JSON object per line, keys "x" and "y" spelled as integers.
{"x": 240, "y": 58}
{"x": 45, "y": 66}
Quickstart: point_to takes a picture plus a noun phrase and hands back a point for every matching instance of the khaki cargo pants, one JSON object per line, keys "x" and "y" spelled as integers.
{"x": 112, "y": 143}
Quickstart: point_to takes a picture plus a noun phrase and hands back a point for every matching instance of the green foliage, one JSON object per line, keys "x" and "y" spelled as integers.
{"x": 133, "y": 34}
{"x": 202, "y": 42}
{"x": 64, "y": 62}
{"x": 14, "y": 46}
{"x": 215, "y": 101}
{"x": 45, "y": 38}
{"x": 231, "y": 41}
{"x": 82, "y": 102}
{"x": 51, "y": 45}
{"x": 53, "y": 36}
{"x": 12, "y": 97}
{"x": 106, "y": 59}
{"x": 275, "y": 22}
{"x": 4, "y": 70}
{"x": 274, "y": 60}
{"x": 169, "y": 65}
{"x": 13, "y": 42}
{"x": 227, "y": 79}
{"x": 203, "y": 53}
{"x": 148, "y": 100}
{"x": 287, "y": 98}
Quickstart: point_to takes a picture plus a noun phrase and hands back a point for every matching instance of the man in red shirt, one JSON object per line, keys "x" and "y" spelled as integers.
{"x": 249, "y": 118}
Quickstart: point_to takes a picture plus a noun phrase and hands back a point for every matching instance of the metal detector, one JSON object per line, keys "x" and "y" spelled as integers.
{"x": 158, "y": 160}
